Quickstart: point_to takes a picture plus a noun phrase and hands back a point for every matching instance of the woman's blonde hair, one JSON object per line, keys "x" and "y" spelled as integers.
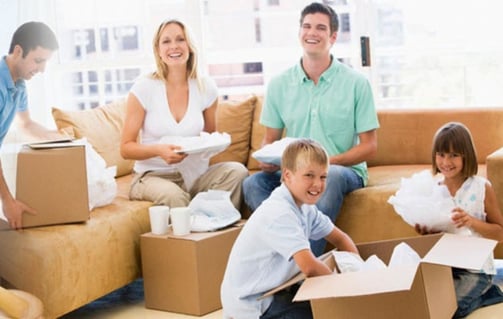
{"x": 162, "y": 68}
{"x": 303, "y": 152}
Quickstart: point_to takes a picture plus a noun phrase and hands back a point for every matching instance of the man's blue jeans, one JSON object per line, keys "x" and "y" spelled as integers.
{"x": 341, "y": 181}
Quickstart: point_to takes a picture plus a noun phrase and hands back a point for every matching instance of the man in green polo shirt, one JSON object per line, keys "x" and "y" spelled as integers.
{"x": 325, "y": 100}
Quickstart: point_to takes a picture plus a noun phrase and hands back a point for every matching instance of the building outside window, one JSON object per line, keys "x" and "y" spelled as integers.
{"x": 426, "y": 54}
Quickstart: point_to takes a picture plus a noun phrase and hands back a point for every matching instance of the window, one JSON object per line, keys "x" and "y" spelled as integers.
{"x": 424, "y": 54}
{"x": 236, "y": 75}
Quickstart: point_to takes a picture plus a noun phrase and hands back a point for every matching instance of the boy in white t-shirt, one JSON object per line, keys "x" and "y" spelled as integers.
{"x": 274, "y": 243}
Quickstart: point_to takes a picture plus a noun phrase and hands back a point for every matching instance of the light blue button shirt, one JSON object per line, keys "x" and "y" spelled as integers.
{"x": 261, "y": 258}
{"x": 12, "y": 98}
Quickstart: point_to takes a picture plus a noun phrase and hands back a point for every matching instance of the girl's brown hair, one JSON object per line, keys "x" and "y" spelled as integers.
{"x": 455, "y": 137}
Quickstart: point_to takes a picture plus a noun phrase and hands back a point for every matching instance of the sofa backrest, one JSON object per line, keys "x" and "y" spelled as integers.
{"x": 405, "y": 136}
{"x": 102, "y": 126}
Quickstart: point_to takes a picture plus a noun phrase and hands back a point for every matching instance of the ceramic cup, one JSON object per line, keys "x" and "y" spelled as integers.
{"x": 159, "y": 217}
{"x": 181, "y": 220}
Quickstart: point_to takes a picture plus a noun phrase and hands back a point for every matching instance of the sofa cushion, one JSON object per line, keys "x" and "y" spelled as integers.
{"x": 235, "y": 118}
{"x": 405, "y": 135}
{"x": 102, "y": 126}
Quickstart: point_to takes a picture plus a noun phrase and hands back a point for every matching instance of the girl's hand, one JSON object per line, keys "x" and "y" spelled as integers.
{"x": 461, "y": 218}
{"x": 168, "y": 154}
{"x": 423, "y": 230}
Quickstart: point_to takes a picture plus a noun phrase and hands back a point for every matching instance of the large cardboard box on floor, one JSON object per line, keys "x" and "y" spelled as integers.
{"x": 413, "y": 292}
{"x": 53, "y": 181}
{"x": 183, "y": 274}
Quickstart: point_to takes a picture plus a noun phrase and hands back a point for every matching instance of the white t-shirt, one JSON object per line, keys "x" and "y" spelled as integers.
{"x": 262, "y": 256}
{"x": 159, "y": 121}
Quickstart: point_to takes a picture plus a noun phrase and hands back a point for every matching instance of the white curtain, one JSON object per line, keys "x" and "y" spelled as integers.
{"x": 41, "y": 90}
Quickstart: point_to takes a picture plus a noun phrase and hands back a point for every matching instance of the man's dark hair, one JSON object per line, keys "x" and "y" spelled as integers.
{"x": 317, "y": 7}
{"x": 31, "y": 35}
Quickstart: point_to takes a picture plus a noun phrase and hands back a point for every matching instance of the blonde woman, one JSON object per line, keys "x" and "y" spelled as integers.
{"x": 173, "y": 101}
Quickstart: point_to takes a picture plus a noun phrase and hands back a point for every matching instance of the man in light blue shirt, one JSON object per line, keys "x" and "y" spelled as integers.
{"x": 32, "y": 45}
{"x": 327, "y": 101}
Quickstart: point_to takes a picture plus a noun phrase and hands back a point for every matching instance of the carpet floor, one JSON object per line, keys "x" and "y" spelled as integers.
{"x": 128, "y": 303}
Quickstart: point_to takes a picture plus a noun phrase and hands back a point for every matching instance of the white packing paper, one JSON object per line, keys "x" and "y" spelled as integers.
{"x": 422, "y": 200}
{"x": 200, "y": 149}
{"x": 271, "y": 153}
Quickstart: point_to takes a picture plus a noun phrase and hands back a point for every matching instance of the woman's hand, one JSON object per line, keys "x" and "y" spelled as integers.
{"x": 168, "y": 153}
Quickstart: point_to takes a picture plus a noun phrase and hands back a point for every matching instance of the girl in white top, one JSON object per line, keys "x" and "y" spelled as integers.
{"x": 173, "y": 101}
{"x": 454, "y": 156}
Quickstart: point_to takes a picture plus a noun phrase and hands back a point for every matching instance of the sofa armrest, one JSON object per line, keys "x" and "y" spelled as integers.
{"x": 494, "y": 165}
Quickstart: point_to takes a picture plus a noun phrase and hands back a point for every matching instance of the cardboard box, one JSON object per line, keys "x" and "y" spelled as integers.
{"x": 411, "y": 292}
{"x": 183, "y": 274}
{"x": 53, "y": 181}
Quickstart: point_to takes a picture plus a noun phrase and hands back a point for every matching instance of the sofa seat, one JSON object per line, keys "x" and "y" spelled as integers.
{"x": 68, "y": 266}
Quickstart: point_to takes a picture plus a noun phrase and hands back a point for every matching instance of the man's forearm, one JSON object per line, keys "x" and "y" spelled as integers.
{"x": 5, "y": 193}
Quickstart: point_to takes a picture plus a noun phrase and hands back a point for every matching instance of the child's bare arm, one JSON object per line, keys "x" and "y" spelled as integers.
{"x": 341, "y": 240}
{"x": 309, "y": 264}
{"x": 493, "y": 227}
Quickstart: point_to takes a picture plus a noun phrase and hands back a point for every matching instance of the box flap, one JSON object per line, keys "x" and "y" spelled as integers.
{"x": 461, "y": 251}
{"x": 327, "y": 258}
{"x": 357, "y": 283}
{"x": 292, "y": 281}
{"x": 56, "y": 144}
{"x": 50, "y": 141}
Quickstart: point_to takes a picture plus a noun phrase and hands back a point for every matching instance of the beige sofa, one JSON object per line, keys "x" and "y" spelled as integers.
{"x": 69, "y": 266}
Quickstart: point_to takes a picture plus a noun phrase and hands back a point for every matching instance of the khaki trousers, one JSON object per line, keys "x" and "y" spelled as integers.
{"x": 169, "y": 188}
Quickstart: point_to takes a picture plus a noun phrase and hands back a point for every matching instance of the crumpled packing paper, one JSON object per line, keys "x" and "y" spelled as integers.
{"x": 212, "y": 210}
{"x": 195, "y": 164}
{"x": 402, "y": 254}
{"x": 422, "y": 200}
{"x": 271, "y": 153}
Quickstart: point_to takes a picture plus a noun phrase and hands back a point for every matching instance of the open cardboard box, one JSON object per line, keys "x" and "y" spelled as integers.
{"x": 422, "y": 292}
{"x": 52, "y": 179}
{"x": 183, "y": 274}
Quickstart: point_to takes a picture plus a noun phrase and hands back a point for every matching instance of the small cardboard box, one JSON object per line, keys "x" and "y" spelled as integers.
{"x": 183, "y": 274}
{"x": 422, "y": 292}
{"x": 53, "y": 181}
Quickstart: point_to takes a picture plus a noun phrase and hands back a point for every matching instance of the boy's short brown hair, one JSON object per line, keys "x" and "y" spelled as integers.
{"x": 302, "y": 152}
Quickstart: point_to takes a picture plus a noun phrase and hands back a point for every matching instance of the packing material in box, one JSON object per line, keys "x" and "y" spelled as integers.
{"x": 183, "y": 274}
{"x": 53, "y": 181}
{"x": 423, "y": 291}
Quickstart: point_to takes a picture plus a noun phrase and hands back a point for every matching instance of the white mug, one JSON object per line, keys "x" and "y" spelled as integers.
{"x": 159, "y": 217}
{"x": 181, "y": 220}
